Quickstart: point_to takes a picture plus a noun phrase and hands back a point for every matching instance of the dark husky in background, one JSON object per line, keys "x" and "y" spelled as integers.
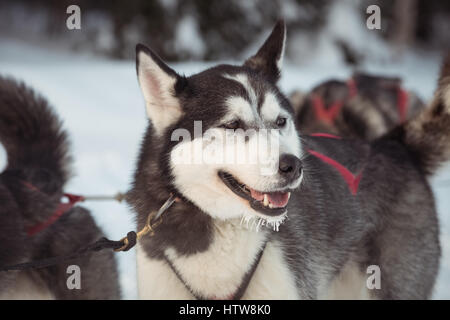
{"x": 350, "y": 204}
{"x": 31, "y": 187}
{"x": 365, "y": 106}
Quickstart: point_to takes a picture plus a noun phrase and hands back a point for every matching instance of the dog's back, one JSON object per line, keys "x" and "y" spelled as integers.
{"x": 365, "y": 106}
{"x": 31, "y": 187}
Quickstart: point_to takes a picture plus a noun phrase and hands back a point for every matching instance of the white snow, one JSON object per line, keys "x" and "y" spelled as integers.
{"x": 103, "y": 111}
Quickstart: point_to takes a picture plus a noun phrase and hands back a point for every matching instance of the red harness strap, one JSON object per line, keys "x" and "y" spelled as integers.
{"x": 351, "y": 179}
{"x": 402, "y": 104}
{"x": 325, "y": 135}
{"x": 328, "y": 115}
{"x": 323, "y": 114}
{"x": 62, "y": 208}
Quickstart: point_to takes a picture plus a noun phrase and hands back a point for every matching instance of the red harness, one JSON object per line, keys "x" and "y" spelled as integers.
{"x": 62, "y": 208}
{"x": 402, "y": 104}
{"x": 351, "y": 179}
{"x": 328, "y": 115}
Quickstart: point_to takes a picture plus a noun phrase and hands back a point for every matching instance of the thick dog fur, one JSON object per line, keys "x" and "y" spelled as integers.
{"x": 331, "y": 235}
{"x": 427, "y": 136}
{"x": 372, "y": 112}
{"x": 37, "y": 152}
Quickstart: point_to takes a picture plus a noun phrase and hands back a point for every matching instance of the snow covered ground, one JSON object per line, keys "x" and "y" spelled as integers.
{"x": 103, "y": 111}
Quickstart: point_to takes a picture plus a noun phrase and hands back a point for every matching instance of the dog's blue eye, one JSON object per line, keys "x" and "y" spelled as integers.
{"x": 232, "y": 125}
{"x": 281, "y": 122}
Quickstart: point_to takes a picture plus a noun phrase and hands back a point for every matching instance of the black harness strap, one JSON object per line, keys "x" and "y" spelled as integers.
{"x": 240, "y": 290}
{"x": 249, "y": 275}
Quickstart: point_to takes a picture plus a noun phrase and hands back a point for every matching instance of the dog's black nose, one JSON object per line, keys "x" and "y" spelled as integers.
{"x": 290, "y": 166}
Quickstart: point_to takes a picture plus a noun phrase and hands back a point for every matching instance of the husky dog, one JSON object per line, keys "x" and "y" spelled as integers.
{"x": 331, "y": 211}
{"x": 31, "y": 187}
{"x": 366, "y": 106}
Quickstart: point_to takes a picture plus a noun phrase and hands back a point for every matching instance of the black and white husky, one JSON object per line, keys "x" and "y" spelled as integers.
{"x": 31, "y": 187}
{"x": 309, "y": 225}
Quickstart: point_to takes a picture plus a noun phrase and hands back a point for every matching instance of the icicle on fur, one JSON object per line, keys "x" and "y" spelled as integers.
{"x": 255, "y": 223}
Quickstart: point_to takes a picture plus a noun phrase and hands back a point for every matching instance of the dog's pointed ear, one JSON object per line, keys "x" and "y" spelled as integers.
{"x": 159, "y": 85}
{"x": 269, "y": 58}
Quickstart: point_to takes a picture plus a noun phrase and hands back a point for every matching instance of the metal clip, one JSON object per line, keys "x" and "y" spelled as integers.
{"x": 154, "y": 219}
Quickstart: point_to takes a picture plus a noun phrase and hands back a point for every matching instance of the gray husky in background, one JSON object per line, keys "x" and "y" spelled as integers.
{"x": 31, "y": 187}
{"x": 331, "y": 211}
{"x": 366, "y": 106}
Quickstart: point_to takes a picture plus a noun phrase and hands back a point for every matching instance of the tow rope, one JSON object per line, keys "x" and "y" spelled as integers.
{"x": 64, "y": 207}
{"x": 154, "y": 219}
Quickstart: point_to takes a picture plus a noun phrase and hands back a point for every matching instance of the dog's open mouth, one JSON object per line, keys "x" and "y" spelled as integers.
{"x": 268, "y": 203}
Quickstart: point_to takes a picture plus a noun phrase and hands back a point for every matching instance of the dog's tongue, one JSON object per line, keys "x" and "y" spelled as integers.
{"x": 277, "y": 199}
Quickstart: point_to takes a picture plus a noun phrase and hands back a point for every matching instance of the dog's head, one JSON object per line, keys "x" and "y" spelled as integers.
{"x": 228, "y": 132}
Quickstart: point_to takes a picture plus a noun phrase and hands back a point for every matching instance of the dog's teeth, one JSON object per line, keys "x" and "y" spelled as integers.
{"x": 266, "y": 200}
{"x": 270, "y": 206}
{"x": 289, "y": 195}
